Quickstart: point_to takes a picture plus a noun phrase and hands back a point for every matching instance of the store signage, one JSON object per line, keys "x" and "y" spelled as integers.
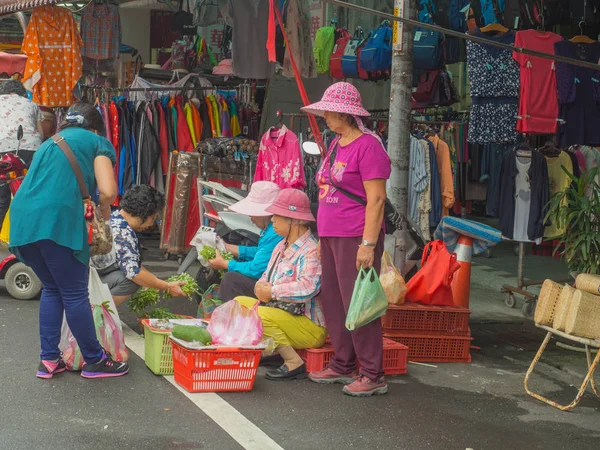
{"x": 398, "y": 26}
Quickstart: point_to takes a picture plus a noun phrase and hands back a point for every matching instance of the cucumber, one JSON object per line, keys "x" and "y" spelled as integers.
{"x": 191, "y": 333}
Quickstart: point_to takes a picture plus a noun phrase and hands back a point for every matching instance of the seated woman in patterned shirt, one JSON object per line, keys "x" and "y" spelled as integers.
{"x": 289, "y": 310}
{"x": 122, "y": 268}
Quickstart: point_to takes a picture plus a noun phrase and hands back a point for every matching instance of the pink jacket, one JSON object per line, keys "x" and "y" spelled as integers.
{"x": 280, "y": 159}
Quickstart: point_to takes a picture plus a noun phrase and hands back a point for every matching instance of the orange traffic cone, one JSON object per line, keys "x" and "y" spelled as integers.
{"x": 461, "y": 283}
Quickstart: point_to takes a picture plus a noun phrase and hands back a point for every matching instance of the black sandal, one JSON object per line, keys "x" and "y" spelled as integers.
{"x": 283, "y": 373}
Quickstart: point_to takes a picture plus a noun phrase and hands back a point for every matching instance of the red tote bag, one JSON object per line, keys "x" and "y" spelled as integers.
{"x": 432, "y": 284}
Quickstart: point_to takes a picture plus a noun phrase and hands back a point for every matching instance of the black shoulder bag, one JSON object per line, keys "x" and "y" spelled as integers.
{"x": 183, "y": 22}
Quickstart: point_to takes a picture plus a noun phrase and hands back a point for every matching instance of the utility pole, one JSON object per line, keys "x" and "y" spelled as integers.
{"x": 400, "y": 106}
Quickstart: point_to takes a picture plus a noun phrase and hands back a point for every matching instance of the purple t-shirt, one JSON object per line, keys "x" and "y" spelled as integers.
{"x": 362, "y": 160}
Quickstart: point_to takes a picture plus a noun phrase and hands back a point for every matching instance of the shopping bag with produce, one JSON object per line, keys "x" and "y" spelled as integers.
{"x": 392, "y": 282}
{"x": 234, "y": 324}
{"x": 210, "y": 301}
{"x": 108, "y": 326}
{"x": 368, "y": 301}
{"x": 206, "y": 243}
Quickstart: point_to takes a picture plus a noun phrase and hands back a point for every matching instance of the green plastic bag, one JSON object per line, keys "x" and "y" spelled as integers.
{"x": 210, "y": 300}
{"x": 368, "y": 300}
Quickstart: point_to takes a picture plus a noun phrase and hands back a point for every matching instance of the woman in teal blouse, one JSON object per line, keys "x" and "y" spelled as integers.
{"x": 49, "y": 234}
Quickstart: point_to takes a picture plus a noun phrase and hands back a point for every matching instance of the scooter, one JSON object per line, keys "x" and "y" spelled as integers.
{"x": 20, "y": 280}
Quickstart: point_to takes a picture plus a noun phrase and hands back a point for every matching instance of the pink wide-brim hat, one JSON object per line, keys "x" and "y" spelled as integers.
{"x": 340, "y": 97}
{"x": 292, "y": 204}
{"x": 262, "y": 195}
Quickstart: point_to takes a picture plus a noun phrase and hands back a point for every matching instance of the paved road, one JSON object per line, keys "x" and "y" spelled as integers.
{"x": 478, "y": 406}
{"x": 458, "y": 406}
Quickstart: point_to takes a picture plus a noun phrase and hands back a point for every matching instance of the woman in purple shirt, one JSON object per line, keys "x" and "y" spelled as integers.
{"x": 351, "y": 236}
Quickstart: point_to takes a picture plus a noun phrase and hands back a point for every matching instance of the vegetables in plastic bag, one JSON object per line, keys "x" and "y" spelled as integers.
{"x": 392, "y": 282}
{"x": 210, "y": 301}
{"x": 106, "y": 322}
{"x": 368, "y": 300}
{"x": 234, "y": 324}
{"x": 204, "y": 241}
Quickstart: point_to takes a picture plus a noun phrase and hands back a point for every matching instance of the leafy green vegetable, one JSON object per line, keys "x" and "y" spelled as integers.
{"x": 189, "y": 288}
{"x": 209, "y": 253}
{"x": 143, "y": 299}
{"x": 161, "y": 313}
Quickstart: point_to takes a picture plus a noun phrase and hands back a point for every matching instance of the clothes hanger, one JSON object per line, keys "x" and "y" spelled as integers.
{"x": 582, "y": 39}
{"x": 549, "y": 149}
{"x": 494, "y": 27}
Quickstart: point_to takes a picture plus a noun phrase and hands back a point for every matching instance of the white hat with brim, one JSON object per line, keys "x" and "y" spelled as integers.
{"x": 261, "y": 196}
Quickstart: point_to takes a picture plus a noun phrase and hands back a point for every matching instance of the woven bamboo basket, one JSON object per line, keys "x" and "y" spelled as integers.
{"x": 546, "y": 303}
{"x": 588, "y": 283}
{"x": 563, "y": 306}
{"x": 583, "y": 317}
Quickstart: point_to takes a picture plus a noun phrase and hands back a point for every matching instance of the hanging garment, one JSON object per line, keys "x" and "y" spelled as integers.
{"x": 101, "y": 31}
{"x": 190, "y": 122}
{"x": 442, "y": 153}
{"x": 196, "y": 121}
{"x": 558, "y": 182}
{"x": 538, "y": 101}
{"x": 425, "y": 197}
{"x": 148, "y": 145}
{"x": 417, "y": 178}
{"x": 494, "y": 78}
{"x": 184, "y": 138}
{"x": 250, "y": 32}
{"x": 205, "y": 119}
{"x": 299, "y": 36}
{"x": 163, "y": 139}
{"x": 225, "y": 120}
{"x": 236, "y": 129}
{"x": 578, "y": 95}
{"x": 533, "y": 182}
{"x": 490, "y": 174}
{"x": 53, "y": 48}
{"x": 435, "y": 216}
{"x": 114, "y": 123}
{"x": 280, "y": 159}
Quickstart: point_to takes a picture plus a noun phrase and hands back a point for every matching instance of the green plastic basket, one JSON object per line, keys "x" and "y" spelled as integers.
{"x": 158, "y": 351}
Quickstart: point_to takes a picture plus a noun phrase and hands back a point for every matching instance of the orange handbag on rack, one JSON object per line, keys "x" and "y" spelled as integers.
{"x": 432, "y": 284}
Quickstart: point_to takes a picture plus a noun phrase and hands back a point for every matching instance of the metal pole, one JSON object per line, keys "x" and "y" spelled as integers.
{"x": 400, "y": 106}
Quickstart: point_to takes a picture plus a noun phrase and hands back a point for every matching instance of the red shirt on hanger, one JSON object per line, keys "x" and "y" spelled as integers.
{"x": 538, "y": 100}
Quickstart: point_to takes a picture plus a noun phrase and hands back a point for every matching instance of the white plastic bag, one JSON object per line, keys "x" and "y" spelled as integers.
{"x": 107, "y": 323}
{"x": 204, "y": 237}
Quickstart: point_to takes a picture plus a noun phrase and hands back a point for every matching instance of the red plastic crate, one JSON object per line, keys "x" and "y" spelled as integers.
{"x": 435, "y": 348}
{"x": 215, "y": 370}
{"x": 413, "y": 318}
{"x": 395, "y": 357}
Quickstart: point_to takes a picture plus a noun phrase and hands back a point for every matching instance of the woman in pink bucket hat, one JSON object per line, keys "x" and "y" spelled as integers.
{"x": 290, "y": 311}
{"x": 251, "y": 262}
{"x": 352, "y": 196}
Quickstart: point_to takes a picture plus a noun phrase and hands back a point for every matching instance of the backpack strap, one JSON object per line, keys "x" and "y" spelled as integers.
{"x": 62, "y": 144}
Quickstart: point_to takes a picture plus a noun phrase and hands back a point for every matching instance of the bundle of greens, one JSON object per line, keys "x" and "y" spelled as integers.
{"x": 209, "y": 253}
{"x": 161, "y": 313}
{"x": 143, "y": 299}
{"x": 189, "y": 288}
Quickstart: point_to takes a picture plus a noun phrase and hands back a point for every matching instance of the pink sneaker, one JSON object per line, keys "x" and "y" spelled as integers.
{"x": 329, "y": 376}
{"x": 365, "y": 387}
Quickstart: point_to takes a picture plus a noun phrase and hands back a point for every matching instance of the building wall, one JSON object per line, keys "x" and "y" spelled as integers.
{"x": 135, "y": 26}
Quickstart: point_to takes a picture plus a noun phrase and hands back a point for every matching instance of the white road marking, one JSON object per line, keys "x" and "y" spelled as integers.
{"x": 234, "y": 423}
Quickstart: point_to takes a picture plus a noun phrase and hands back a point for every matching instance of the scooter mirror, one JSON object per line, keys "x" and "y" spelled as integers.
{"x": 20, "y": 133}
{"x": 311, "y": 148}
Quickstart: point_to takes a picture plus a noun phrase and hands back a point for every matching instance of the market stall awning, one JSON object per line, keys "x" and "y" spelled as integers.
{"x": 11, "y": 6}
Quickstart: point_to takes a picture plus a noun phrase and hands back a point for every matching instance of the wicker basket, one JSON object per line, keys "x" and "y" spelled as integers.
{"x": 563, "y": 306}
{"x": 583, "y": 317}
{"x": 588, "y": 283}
{"x": 546, "y": 304}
